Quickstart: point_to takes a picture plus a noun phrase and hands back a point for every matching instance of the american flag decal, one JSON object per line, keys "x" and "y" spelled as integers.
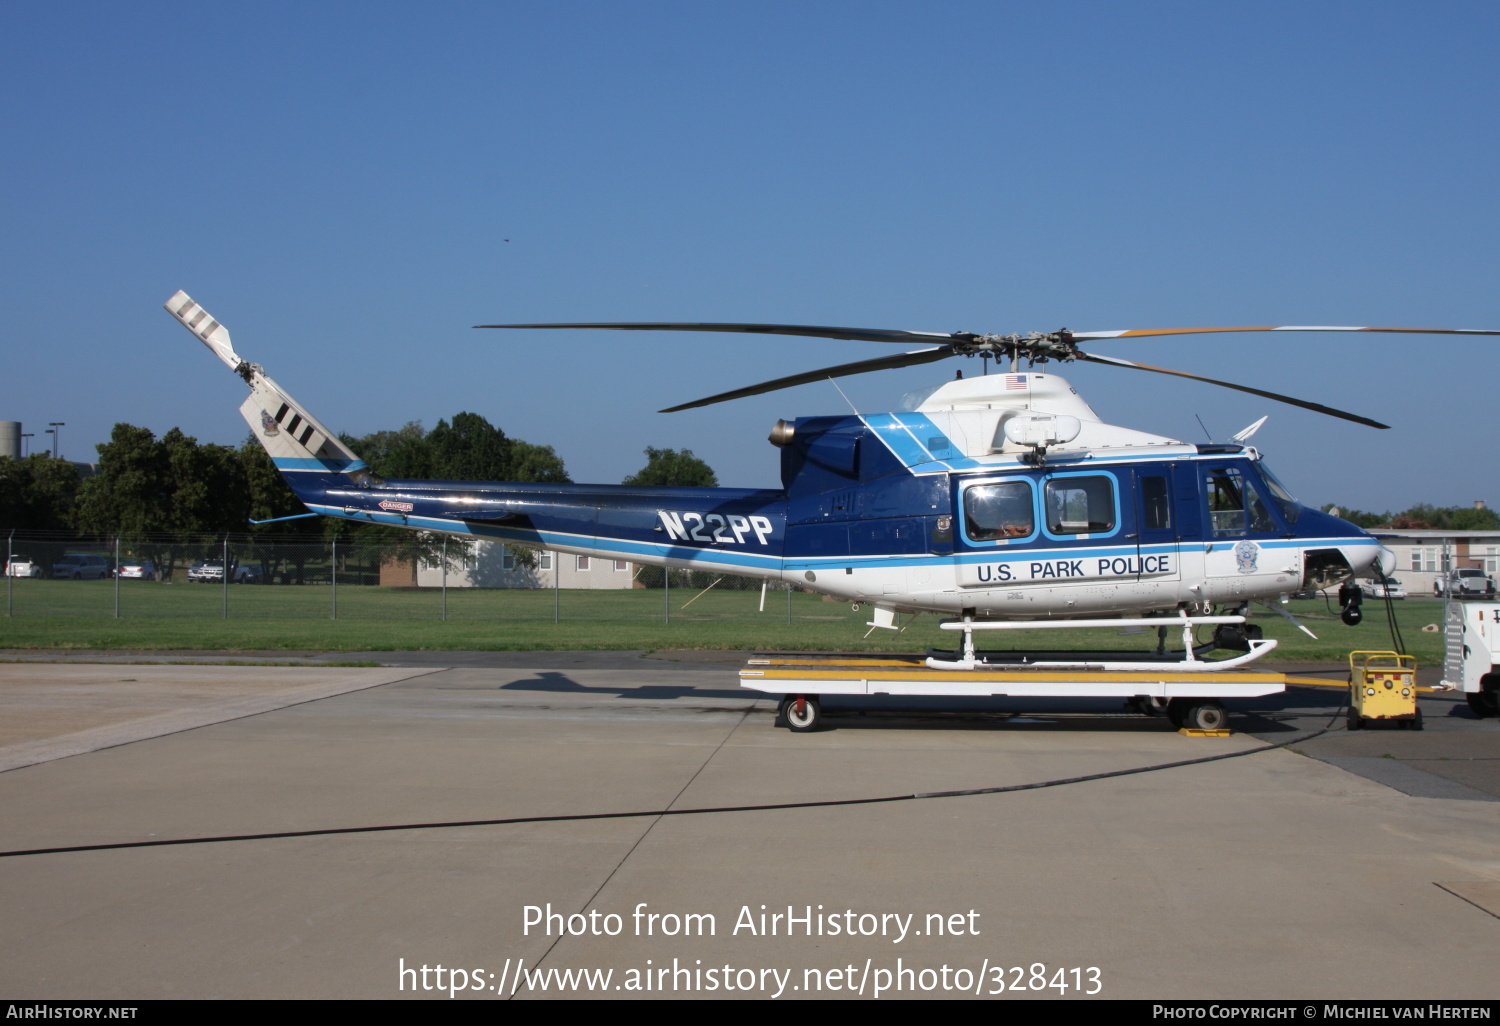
{"x": 1014, "y": 381}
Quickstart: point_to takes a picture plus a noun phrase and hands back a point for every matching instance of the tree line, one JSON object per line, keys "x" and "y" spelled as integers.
{"x": 148, "y": 488}
{"x": 1422, "y": 517}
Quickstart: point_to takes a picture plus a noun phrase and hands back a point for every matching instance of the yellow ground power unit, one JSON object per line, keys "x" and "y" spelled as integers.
{"x": 1383, "y": 686}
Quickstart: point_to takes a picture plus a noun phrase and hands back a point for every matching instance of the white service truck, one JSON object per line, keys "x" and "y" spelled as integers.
{"x": 1471, "y": 662}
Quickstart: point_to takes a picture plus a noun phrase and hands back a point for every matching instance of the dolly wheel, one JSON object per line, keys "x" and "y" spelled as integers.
{"x": 802, "y": 713}
{"x": 1355, "y": 720}
{"x": 1416, "y": 722}
{"x": 1209, "y": 715}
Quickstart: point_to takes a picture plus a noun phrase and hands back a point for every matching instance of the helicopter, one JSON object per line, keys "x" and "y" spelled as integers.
{"x": 1000, "y": 500}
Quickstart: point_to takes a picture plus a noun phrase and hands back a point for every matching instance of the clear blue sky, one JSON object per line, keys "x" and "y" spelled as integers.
{"x": 337, "y": 182}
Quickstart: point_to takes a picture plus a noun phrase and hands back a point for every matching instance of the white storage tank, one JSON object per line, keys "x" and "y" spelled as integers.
{"x": 10, "y": 439}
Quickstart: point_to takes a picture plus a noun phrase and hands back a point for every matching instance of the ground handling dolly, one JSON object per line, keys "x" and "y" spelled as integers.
{"x": 1383, "y": 686}
{"x": 1192, "y": 699}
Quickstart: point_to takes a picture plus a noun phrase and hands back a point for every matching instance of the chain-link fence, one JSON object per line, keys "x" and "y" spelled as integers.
{"x": 243, "y": 576}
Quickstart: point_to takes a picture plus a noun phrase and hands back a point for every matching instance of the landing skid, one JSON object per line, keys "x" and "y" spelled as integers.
{"x": 1188, "y": 659}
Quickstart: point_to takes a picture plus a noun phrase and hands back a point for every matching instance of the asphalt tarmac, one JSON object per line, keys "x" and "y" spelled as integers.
{"x": 1358, "y": 865}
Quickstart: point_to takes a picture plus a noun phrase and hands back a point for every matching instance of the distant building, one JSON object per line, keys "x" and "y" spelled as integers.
{"x": 492, "y": 565}
{"x": 1423, "y": 556}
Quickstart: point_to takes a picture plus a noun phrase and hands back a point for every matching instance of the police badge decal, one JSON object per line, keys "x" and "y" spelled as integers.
{"x": 1245, "y": 555}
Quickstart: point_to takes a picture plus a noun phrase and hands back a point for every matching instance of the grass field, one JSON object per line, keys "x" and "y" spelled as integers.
{"x": 80, "y": 615}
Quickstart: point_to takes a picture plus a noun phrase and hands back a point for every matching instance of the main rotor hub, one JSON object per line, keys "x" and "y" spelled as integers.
{"x": 1034, "y": 346}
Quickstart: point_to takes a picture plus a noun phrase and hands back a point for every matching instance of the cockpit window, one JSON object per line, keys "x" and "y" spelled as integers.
{"x": 1235, "y": 505}
{"x": 1226, "y": 501}
{"x": 1290, "y": 507}
{"x": 993, "y": 512}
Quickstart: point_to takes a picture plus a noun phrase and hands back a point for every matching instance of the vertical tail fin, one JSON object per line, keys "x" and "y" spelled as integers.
{"x": 295, "y": 440}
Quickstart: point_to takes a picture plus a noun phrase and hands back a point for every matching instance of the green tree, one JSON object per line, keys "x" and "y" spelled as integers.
{"x": 130, "y": 496}
{"x": 37, "y": 493}
{"x": 403, "y": 453}
{"x": 1447, "y": 518}
{"x": 1425, "y": 516}
{"x": 158, "y": 494}
{"x": 1467, "y": 518}
{"x": 470, "y": 449}
{"x": 1358, "y": 517}
{"x": 207, "y": 492}
{"x": 536, "y": 463}
{"x": 130, "y": 493}
{"x": 673, "y": 467}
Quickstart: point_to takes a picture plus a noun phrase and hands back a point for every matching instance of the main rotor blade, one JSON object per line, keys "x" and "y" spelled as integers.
{"x": 843, "y": 370}
{"x": 1315, "y": 407}
{"x": 1144, "y": 332}
{"x": 809, "y": 330}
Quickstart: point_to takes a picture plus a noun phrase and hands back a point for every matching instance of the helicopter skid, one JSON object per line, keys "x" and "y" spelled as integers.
{"x": 1189, "y": 660}
{"x": 1258, "y": 648}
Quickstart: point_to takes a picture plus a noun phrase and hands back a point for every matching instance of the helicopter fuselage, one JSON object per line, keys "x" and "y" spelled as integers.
{"x": 938, "y": 508}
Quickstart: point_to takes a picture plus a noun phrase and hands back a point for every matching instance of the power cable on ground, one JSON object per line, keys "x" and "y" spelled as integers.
{"x": 584, "y": 817}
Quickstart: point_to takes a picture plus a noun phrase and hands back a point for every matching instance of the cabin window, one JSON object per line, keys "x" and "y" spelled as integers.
{"x": 1080, "y": 505}
{"x": 994, "y": 512}
{"x": 1157, "y": 507}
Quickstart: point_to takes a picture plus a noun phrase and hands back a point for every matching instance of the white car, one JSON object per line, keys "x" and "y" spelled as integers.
{"x": 139, "y": 569}
{"x": 211, "y": 571}
{"x": 23, "y": 566}
{"x": 1382, "y": 587}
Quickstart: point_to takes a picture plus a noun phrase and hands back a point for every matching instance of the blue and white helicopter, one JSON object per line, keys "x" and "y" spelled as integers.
{"x": 1000, "y": 500}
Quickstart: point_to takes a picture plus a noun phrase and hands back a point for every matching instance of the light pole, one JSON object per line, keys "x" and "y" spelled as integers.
{"x": 25, "y": 444}
{"x": 52, "y": 429}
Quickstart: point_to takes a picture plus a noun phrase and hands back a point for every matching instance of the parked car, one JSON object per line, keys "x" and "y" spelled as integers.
{"x": 140, "y": 569}
{"x": 23, "y": 566}
{"x": 212, "y": 571}
{"x": 1466, "y": 582}
{"x": 1380, "y": 587}
{"x": 82, "y": 566}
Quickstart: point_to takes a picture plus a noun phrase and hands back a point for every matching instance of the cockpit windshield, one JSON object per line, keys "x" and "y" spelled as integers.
{"x": 1289, "y": 506}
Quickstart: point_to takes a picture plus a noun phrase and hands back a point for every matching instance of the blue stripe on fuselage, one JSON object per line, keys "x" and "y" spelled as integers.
{"x": 296, "y": 463}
